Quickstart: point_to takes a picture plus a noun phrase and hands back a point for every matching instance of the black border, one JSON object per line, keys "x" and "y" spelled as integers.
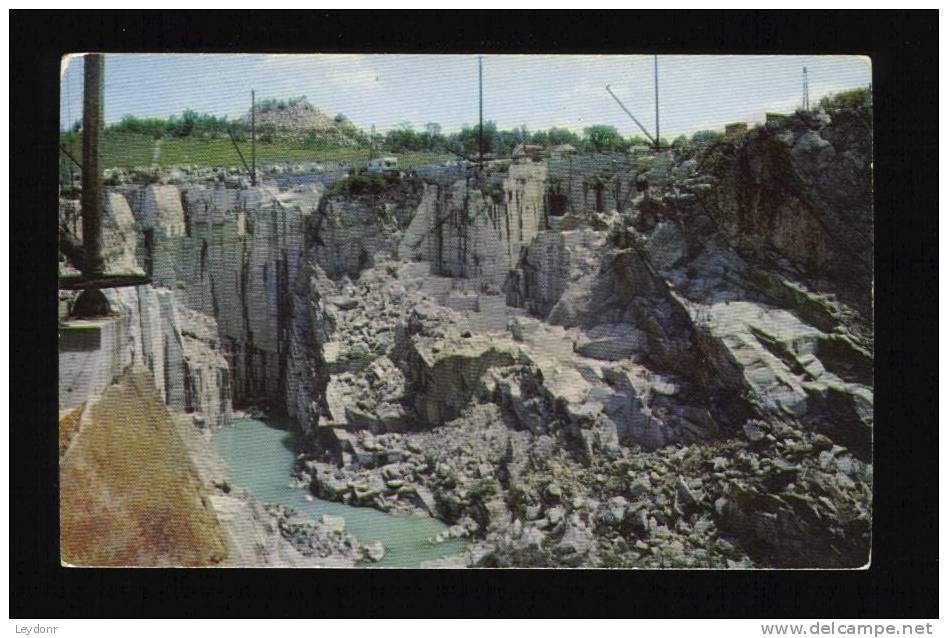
{"x": 902, "y": 581}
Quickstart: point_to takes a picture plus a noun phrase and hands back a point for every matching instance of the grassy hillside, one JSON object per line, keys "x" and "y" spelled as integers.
{"x": 128, "y": 150}
{"x": 129, "y": 492}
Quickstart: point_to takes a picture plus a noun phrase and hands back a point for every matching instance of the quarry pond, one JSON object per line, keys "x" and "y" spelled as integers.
{"x": 260, "y": 457}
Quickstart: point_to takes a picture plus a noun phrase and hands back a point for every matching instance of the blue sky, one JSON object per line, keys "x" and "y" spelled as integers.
{"x": 696, "y": 92}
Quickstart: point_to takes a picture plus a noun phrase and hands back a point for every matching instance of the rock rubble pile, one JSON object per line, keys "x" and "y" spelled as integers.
{"x": 692, "y": 389}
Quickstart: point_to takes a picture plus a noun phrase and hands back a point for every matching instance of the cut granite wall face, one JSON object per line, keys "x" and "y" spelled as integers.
{"x": 119, "y": 234}
{"x": 90, "y": 357}
{"x": 478, "y": 227}
{"x": 600, "y": 182}
{"x": 232, "y": 254}
{"x": 350, "y": 232}
{"x": 148, "y": 329}
{"x": 552, "y": 261}
{"x": 470, "y": 228}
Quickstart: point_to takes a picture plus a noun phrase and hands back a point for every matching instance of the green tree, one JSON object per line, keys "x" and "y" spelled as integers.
{"x": 851, "y": 99}
{"x": 559, "y": 136}
{"x": 600, "y": 138}
{"x": 468, "y": 136}
{"x": 402, "y": 138}
{"x": 700, "y": 137}
{"x": 540, "y": 137}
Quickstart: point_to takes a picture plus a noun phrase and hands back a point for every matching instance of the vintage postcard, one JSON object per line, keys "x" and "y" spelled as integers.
{"x": 464, "y": 311}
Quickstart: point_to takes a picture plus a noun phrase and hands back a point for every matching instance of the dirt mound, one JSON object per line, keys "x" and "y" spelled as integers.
{"x": 129, "y": 493}
{"x": 297, "y": 118}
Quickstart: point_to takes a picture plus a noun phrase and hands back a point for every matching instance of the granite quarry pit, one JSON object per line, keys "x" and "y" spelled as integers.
{"x": 671, "y": 368}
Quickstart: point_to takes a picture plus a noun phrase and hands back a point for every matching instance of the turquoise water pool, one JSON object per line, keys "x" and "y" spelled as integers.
{"x": 260, "y": 458}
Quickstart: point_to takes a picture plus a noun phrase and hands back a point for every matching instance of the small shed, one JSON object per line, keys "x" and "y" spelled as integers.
{"x": 533, "y": 152}
{"x": 561, "y": 151}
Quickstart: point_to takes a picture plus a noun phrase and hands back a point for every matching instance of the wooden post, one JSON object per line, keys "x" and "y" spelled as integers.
{"x": 91, "y": 302}
{"x": 92, "y": 191}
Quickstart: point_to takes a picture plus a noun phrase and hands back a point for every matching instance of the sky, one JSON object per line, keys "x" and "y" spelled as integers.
{"x": 695, "y": 91}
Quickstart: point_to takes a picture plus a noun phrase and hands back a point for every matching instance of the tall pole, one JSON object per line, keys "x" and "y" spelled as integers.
{"x": 806, "y": 92}
{"x": 480, "y": 115}
{"x": 658, "y": 137}
{"x": 253, "y": 138}
{"x": 93, "y": 107}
